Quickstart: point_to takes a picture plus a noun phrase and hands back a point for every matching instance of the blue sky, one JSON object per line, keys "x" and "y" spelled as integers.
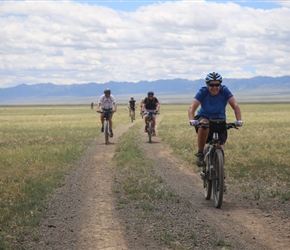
{"x": 131, "y": 5}
{"x": 65, "y": 42}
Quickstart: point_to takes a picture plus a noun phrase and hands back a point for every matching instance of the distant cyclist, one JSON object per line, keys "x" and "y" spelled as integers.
{"x": 107, "y": 102}
{"x": 141, "y": 106}
{"x": 151, "y": 104}
{"x": 132, "y": 106}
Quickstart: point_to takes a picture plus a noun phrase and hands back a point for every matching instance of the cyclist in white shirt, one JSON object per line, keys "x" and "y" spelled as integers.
{"x": 107, "y": 102}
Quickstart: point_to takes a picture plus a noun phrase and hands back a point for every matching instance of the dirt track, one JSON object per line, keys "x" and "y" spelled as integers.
{"x": 82, "y": 213}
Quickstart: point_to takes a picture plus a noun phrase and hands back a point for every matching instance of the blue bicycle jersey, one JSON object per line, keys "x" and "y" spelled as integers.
{"x": 213, "y": 106}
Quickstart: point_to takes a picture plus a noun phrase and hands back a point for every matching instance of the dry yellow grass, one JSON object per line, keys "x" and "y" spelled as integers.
{"x": 257, "y": 155}
{"x": 37, "y": 146}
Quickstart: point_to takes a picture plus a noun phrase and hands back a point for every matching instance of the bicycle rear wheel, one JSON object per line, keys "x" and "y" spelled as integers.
{"x": 106, "y": 132}
{"x": 207, "y": 183}
{"x": 149, "y": 129}
{"x": 218, "y": 178}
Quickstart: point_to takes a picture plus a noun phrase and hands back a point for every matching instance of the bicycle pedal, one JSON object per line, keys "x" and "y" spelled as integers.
{"x": 202, "y": 175}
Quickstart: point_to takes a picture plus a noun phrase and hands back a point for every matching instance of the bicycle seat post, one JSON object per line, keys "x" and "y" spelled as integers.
{"x": 215, "y": 136}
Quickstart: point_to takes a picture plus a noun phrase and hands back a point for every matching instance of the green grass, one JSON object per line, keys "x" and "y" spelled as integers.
{"x": 221, "y": 243}
{"x": 257, "y": 155}
{"x": 38, "y": 145}
{"x": 137, "y": 177}
{"x": 139, "y": 189}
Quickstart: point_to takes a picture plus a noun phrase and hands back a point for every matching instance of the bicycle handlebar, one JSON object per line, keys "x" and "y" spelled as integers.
{"x": 109, "y": 111}
{"x": 206, "y": 125}
{"x": 155, "y": 113}
{"x": 231, "y": 125}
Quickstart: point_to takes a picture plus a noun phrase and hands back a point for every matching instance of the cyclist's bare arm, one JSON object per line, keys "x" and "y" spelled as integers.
{"x": 115, "y": 107}
{"x": 236, "y": 108}
{"x": 157, "y": 107}
{"x": 192, "y": 108}
{"x": 98, "y": 107}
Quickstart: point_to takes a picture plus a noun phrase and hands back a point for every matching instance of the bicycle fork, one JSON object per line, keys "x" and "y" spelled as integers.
{"x": 208, "y": 170}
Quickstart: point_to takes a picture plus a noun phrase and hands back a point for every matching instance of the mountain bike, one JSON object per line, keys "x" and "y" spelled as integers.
{"x": 212, "y": 173}
{"x": 106, "y": 125}
{"x": 132, "y": 115}
{"x": 149, "y": 124}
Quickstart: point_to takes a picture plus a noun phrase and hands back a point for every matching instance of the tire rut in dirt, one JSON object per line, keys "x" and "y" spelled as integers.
{"x": 235, "y": 222}
{"x": 81, "y": 214}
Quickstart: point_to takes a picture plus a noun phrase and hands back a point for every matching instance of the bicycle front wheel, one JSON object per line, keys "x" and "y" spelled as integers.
{"x": 106, "y": 132}
{"x": 132, "y": 116}
{"x": 207, "y": 182}
{"x": 149, "y": 129}
{"x": 218, "y": 178}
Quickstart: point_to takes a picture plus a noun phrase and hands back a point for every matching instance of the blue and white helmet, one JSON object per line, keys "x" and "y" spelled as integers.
{"x": 213, "y": 77}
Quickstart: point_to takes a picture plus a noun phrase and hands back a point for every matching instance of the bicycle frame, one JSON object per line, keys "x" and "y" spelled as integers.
{"x": 106, "y": 114}
{"x": 149, "y": 124}
{"x": 132, "y": 116}
{"x": 213, "y": 171}
{"x": 106, "y": 126}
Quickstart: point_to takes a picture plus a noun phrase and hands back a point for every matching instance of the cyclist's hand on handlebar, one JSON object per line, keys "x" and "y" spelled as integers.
{"x": 193, "y": 122}
{"x": 98, "y": 111}
{"x": 239, "y": 123}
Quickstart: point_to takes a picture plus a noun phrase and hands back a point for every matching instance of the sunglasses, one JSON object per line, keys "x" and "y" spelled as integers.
{"x": 150, "y": 95}
{"x": 214, "y": 85}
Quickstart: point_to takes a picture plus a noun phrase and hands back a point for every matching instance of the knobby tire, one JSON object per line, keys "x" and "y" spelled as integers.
{"x": 106, "y": 132}
{"x": 132, "y": 116}
{"x": 149, "y": 129}
{"x": 218, "y": 180}
{"x": 207, "y": 183}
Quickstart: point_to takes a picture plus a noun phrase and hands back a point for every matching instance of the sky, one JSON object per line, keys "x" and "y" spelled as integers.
{"x": 68, "y": 42}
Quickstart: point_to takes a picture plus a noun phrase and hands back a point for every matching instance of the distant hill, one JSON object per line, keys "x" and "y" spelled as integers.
{"x": 174, "y": 90}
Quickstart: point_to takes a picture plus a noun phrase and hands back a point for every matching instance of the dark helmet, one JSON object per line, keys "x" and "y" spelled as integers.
{"x": 213, "y": 77}
{"x": 150, "y": 93}
{"x": 107, "y": 91}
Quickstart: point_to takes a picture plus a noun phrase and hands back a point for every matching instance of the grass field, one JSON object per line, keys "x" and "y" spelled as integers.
{"x": 257, "y": 155}
{"x": 40, "y": 144}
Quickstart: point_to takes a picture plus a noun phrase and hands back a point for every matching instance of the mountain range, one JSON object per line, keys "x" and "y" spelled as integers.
{"x": 256, "y": 89}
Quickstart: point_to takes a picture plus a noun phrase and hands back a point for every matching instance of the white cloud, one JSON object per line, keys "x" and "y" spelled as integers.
{"x": 283, "y": 3}
{"x": 67, "y": 42}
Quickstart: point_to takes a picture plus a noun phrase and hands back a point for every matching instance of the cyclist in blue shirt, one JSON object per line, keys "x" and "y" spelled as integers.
{"x": 212, "y": 100}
